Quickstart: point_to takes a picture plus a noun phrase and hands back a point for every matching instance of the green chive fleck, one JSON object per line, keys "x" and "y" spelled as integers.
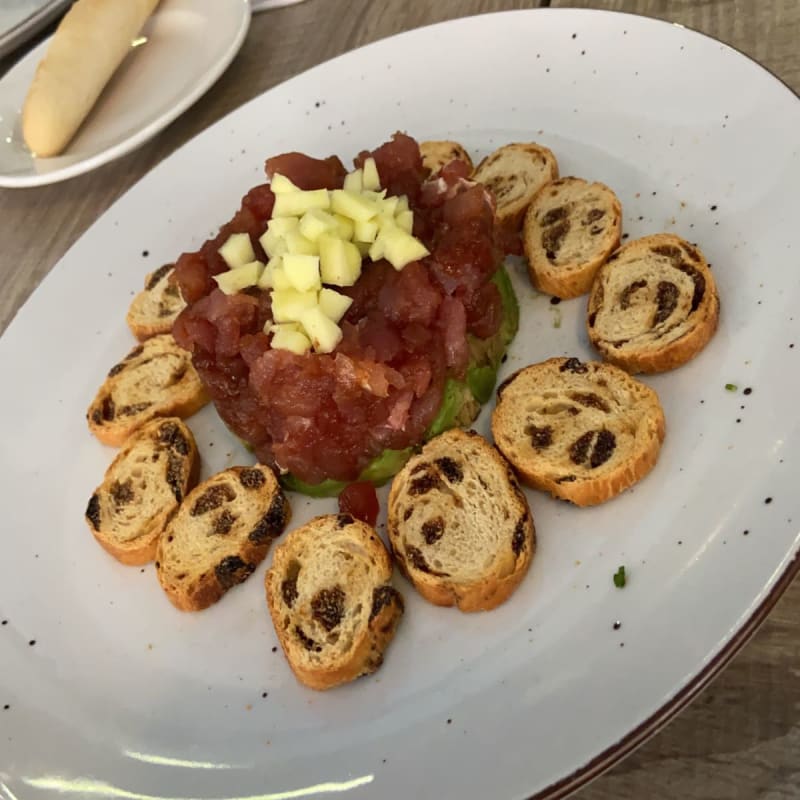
{"x": 731, "y": 387}
{"x": 556, "y": 317}
{"x": 619, "y": 578}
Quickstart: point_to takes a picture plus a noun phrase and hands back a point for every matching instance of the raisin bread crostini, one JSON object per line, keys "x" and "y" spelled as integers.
{"x": 438, "y": 154}
{"x": 156, "y": 307}
{"x": 654, "y": 304}
{"x": 142, "y": 489}
{"x": 459, "y": 524}
{"x": 514, "y": 174}
{"x": 221, "y": 533}
{"x": 570, "y": 229}
{"x": 582, "y": 431}
{"x": 156, "y": 379}
{"x": 331, "y": 600}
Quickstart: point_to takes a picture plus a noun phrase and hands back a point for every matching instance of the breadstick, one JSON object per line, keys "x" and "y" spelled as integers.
{"x": 85, "y": 51}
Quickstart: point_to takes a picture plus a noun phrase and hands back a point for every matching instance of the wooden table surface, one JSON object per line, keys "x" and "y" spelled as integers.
{"x": 741, "y": 737}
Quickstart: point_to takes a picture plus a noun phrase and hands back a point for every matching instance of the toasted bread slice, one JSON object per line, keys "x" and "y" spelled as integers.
{"x": 157, "y": 306}
{"x": 654, "y": 305}
{"x": 459, "y": 524}
{"x": 156, "y": 379}
{"x": 142, "y": 490}
{"x": 221, "y": 533}
{"x": 583, "y": 432}
{"x": 331, "y": 601}
{"x": 570, "y": 229}
{"x": 514, "y": 174}
{"x": 438, "y": 154}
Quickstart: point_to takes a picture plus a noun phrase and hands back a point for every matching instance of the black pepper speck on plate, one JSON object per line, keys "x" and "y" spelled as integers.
{"x": 32, "y": 642}
{"x": 275, "y": 649}
{"x": 617, "y": 625}
{"x": 745, "y": 533}
{"x": 768, "y": 500}
{"x": 145, "y": 253}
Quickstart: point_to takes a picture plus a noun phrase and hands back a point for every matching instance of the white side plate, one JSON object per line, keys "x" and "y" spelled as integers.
{"x": 189, "y": 44}
{"x": 113, "y": 693}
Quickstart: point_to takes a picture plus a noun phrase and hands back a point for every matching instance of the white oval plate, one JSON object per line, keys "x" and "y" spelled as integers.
{"x": 122, "y": 696}
{"x": 189, "y": 44}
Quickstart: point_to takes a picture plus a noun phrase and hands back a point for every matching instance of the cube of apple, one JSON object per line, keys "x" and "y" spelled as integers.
{"x": 294, "y": 341}
{"x": 295, "y": 204}
{"x": 316, "y": 222}
{"x": 288, "y": 305}
{"x": 234, "y": 280}
{"x": 363, "y": 248}
{"x": 297, "y": 243}
{"x": 272, "y": 240}
{"x": 365, "y": 231}
{"x": 274, "y": 327}
{"x": 354, "y": 181}
{"x": 333, "y": 304}
{"x": 282, "y": 225}
{"x": 352, "y": 205}
{"x": 302, "y": 271}
{"x": 405, "y": 221}
{"x": 402, "y": 204}
{"x": 324, "y": 333}
{"x": 267, "y": 280}
{"x": 280, "y": 280}
{"x": 344, "y": 227}
{"x": 371, "y": 178}
{"x": 339, "y": 261}
{"x": 401, "y": 248}
{"x": 389, "y": 205}
{"x": 237, "y": 250}
{"x": 280, "y": 184}
{"x": 377, "y": 249}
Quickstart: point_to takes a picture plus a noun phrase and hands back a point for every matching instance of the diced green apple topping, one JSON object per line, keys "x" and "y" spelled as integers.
{"x": 320, "y": 237}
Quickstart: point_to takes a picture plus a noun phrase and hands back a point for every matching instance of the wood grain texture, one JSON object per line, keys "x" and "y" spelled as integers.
{"x": 740, "y": 739}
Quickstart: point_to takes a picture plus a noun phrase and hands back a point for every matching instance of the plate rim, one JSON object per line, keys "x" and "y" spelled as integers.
{"x": 666, "y": 712}
{"x": 146, "y": 133}
{"x": 650, "y": 726}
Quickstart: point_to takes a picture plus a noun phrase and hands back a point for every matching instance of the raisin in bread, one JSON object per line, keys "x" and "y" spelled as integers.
{"x": 583, "y": 432}
{"x": 156, "y": 307}
{"x": 156, "y": 379}
{"x": 514, "y": 174}
{"x": 459, "y": 524}
{"x": 331, "y": 600}
{"x": 438, "y": 154}
{"x": 221, "y": 533}
{"x": 142, "y": 489}
{"x": 571, "y": 228}
{"x": 654, "y": 305}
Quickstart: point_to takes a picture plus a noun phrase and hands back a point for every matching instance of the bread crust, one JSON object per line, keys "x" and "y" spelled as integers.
{"x": 667, "y": 343}
{"x": 548, "y": 420}
{"x": 439, "y": 153}
{"x": 162, "y": 457}
{"x": 514, "y": 174}
{"x": 559, "y": 211}
{"x": 370, "y": 636}
{"x": 220, "y": 534}
{"x": 430, "y": 484}
{"x": 154, "y": 310}
{"x": 155, "y": 379}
